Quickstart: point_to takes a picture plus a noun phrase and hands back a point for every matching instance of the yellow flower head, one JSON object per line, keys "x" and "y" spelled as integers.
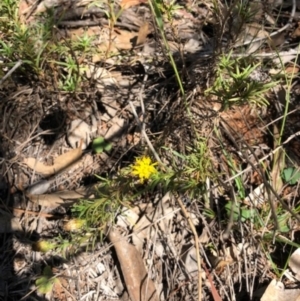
{"x": 143, "y": 168}
{"x": 43, "y": 246}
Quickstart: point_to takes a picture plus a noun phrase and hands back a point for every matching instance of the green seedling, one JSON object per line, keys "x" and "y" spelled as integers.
{"x": 291, "y": 175}
{"x": 46, "y": 281}
{"x": 100, "y": 144}
{"x": 239, "y": 213}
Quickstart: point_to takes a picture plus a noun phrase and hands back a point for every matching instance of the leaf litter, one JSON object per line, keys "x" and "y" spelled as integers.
{"x": 163, "y": 238}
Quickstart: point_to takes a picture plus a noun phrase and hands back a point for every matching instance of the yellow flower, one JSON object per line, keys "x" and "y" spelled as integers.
{"x": 143, "y": 168}
{"x": 43, "y": 246}
{"x": 74, "y": 224}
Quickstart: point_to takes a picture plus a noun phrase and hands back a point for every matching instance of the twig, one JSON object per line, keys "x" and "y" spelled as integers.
{"x": 187, "y": 216}
{"x": 142, "y": 100}
{"x": 144, "y": 132}
{"x": 19, "y": 212}
{"x": 11, "y": 71}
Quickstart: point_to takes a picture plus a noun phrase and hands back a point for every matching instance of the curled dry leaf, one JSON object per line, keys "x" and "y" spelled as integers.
{"x": 78, "y": 131}
{"x": 60, "y": 163}
{"x": 139, "y": 286}
{"x": 278, "y": 163}
{"x": 294, "y": 263}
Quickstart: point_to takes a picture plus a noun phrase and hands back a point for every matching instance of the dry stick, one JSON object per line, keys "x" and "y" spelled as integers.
{"x": 187, "y": 216}
{"x": 18, "y": 212}
{"x": 11, "y": 71}
{"x": 144, "y": 132}
{"x": 142, "y": 100}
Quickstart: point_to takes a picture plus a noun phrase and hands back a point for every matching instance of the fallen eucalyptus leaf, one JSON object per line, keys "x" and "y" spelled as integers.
{"x": 140, "y": 287}
{"x": 61, "y": 162}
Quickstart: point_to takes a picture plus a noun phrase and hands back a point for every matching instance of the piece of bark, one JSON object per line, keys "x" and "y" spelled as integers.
{"x": 139, "y": 286}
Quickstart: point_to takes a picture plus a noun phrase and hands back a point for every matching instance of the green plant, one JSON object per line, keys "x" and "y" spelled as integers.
{"x": 83, "y": 43}
{"x": 37, "y": 45}
{"x": 233, "y": 84}
{"x": 168, "y": 7}
{"x": 71, "y": 78}
{"x": 144, "y": 176}
{"x": 291, "y": 175}
{"x": 143, "y": 168}
{"x": 46, "y": 282}
{"x": 157, "y": 13}
{"x": 100, "y": 144}
{"x": 239, "y": 212}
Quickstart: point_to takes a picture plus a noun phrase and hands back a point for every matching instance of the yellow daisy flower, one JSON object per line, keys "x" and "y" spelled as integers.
{"x": 143, "y": 168}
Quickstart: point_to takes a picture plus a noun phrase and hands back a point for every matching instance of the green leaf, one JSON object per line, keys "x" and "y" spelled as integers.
{"x": 236, "y": 210}
{"x": 157, "y": 13}
{"x": 100, "y": 144}
{"x": 247, "y": 214}
{"x": 242, "y": 213}
{"x": 291, "y": 175}
{"x": 45, "y": 283}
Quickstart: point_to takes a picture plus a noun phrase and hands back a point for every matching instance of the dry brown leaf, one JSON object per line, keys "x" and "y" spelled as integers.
{"x": 129, "y": 3}
{"x": 294, "y": 263}
{"x": 60, "y": 163}
{"x": 140, "y": 287}
{"x": 79, "y": 131}
{"x": 278, "y": 163}
{"x": 142, "y": 35}
{"x": 292, "y": 70}
{"x": 60, "y": 197}
{"x": 249, "y": 33}
{"x": 277, "y": 40}
{"x": 23, "y": 10}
